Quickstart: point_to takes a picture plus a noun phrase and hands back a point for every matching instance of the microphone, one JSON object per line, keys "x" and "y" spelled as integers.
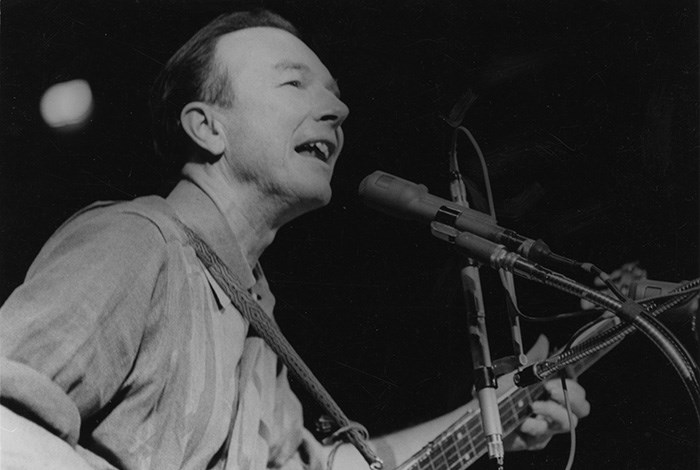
{"x": 642, "y": 289}
{"x": 406, "y": 200}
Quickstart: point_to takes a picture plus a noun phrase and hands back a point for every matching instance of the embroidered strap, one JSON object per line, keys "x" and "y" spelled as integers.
{"x": 268, "y": 329}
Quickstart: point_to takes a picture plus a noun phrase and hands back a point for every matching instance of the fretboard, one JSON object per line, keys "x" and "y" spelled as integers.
{"x": 464, "y": 442}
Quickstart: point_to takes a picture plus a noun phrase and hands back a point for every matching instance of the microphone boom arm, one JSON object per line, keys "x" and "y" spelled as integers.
{"x": 498, "y": 257}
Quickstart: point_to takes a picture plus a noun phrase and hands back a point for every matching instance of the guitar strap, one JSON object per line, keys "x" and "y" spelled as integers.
{"x": 268, "y": 329}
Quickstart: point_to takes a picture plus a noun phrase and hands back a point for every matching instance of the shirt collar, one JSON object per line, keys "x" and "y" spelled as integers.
{"x": 199, "y": 212}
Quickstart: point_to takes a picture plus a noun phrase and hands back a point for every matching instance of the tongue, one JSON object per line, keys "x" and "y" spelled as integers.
{"x": 307, "y": 151}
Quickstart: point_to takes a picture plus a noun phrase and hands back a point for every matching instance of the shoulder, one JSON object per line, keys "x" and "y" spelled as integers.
{"x": 134, "y": 231}
{"x": 144, "y": 216}
{"x": 147, "y": 219}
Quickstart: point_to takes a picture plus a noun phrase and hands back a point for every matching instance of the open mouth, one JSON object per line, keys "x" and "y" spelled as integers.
{"x": 321, "y": 149}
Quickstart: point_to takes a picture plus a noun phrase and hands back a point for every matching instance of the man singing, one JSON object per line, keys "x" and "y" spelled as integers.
{"x": 122, "y": 350}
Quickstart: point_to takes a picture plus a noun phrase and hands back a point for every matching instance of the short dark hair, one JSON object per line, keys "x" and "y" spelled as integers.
{"x": 192, "y": 74}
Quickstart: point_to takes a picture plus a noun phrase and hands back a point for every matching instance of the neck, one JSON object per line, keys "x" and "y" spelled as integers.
{"x": 252, "y": 220}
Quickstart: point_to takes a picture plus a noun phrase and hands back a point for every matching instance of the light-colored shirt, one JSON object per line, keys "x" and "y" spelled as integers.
{"x": 120, "y": 342}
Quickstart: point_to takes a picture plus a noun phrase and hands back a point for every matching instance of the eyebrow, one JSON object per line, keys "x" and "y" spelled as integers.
{"x": 288, "y": 65}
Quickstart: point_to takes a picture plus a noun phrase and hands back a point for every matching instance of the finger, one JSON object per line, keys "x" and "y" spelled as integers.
{"x": 534, "y": 426}
{"x": 556, "y": 415}
{"x": 533, "y": 434}
{"x": 577, "y": 396}
{"x": 518, "y": 441}
{"x": 556, "y": 392}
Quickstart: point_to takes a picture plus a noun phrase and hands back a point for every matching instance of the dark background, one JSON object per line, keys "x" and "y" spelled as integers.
{"x": 587, "y": 113}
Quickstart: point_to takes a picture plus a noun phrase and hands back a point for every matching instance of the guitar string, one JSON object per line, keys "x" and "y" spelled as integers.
{"x": 474, "y": 432}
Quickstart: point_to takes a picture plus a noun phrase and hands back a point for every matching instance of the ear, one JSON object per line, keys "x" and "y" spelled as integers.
{"x": 200, "y": 123}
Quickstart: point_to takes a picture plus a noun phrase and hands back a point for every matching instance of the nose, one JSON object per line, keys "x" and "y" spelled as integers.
{"x": 333, "y": 110}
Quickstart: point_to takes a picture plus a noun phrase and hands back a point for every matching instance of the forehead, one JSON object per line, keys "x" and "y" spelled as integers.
{"x": 266, "y": 50}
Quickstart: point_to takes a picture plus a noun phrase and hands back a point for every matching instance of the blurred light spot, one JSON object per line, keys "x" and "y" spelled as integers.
{"x": 67, "y": 104}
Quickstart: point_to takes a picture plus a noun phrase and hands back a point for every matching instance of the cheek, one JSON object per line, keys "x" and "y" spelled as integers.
{"x": 341, "y": 139}
{"x": 265, "y": 125}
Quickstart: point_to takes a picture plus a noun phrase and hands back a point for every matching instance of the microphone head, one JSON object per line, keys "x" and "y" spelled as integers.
{"x": 367, "y": 181}
{"x": 396, "y": 196}
{"x": 639, "y": 289}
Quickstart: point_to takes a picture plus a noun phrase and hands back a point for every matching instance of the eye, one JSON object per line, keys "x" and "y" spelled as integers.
{"x": 294, "y": 83}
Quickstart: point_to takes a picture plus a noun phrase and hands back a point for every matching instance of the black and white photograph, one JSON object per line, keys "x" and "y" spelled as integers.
{"x": 398, "y": 235}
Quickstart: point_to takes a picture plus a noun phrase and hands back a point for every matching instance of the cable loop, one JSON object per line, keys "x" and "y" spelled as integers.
{"x": 351, "y": 426}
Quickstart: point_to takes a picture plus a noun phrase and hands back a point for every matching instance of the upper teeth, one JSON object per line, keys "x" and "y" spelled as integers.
{"x": 321, "y": 147}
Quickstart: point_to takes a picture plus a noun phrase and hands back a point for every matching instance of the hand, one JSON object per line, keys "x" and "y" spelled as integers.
{"x": 549, "y": 417}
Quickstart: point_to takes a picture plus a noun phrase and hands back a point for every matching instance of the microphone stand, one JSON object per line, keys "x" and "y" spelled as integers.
{"x": 498, "y": 257}
{"x": 484, "y": 376}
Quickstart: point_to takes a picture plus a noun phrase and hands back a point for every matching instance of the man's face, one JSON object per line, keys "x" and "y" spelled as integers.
{"x": 283, "y": 131}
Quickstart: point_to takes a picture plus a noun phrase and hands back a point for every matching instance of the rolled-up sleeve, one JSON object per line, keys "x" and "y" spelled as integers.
{"x": 70, "y": 333}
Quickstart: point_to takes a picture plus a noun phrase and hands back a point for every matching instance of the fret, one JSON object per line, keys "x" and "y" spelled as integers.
{"x": 525, "y": 398}
{"x": 468, "y": 435}
{"x": 452, "y": 455}
{"x": 522, "y": 404}
{"x": 534, "y": 392}
{"x": 509, "y": 422}
{"x": 512, "y": 412}
{"x": 441, "y": 461}
{"x": 464, "y": 457}
{"x": 450, "y": 442}
{"x": 477, "y": 440}
{"x": 454, "y": 452}
{"x": 475, "y": 431}
{"x": 425, "y": 461}
{"x": 465, "y": 446}
{"x": 465, "y": 436}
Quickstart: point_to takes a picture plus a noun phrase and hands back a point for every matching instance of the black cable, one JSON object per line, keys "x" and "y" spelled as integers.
{"x": 603, "y": 276}
{"x": 654, "y": 330}
{"x": 572, "y": 429}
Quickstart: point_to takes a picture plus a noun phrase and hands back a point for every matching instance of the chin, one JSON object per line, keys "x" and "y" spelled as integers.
{"x": 317, "y": 199}
{"x": 306, "y": 205}
{"x": 323, "y": 199}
